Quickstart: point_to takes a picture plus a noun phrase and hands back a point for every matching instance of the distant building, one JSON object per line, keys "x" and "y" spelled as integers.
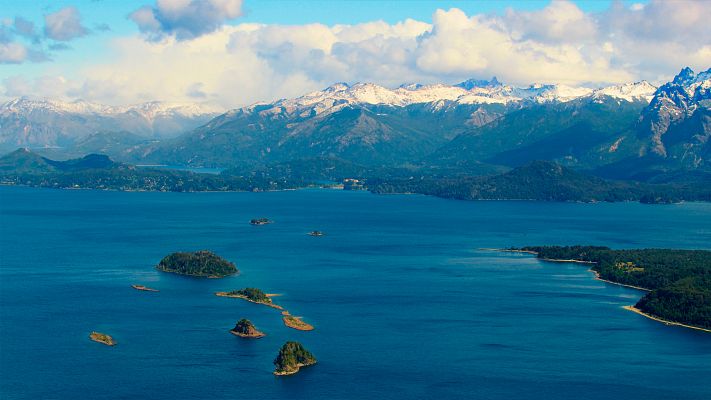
{"x": 353, "y": 184}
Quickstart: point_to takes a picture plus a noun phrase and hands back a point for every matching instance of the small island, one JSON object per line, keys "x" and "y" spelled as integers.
{"x": 201, "y": 263}
{"x": 295, "y": 322}
{"x": 144, "y": 288}
{"x": 244, "y": 328}
{"x": 291, "y": 358}
{"x": 316, "y": 233}
{"x": 253, "y": 295}
{"x": 102, "y": 338}
{"x": 260, "y": 221}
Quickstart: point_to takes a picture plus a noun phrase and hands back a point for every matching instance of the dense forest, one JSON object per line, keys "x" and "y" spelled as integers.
{"x": 679, "y": 280}
{"x": 200, "y": 263}
{"x": 542, "y": 180}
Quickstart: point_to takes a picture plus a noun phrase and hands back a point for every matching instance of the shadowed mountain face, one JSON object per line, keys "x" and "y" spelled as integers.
{"x": 367, "y": 134}
{"x": 25, "y": 161}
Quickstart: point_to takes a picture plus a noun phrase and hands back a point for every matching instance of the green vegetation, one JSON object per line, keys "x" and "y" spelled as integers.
{"x": 22, "y": 167}
{"x": 200, "y": 263}
{"x": 679, "y": 280}
{"x": 541, "y": 180}
{"x": 291, "y": 357}
{"x": 245, "y": 328}
{"x": 253, "y": 294}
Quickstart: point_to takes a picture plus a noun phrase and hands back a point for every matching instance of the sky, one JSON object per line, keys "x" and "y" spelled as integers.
{"x": 231, "y": 53}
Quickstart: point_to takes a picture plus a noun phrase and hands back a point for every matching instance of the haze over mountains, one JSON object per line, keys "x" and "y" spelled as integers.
{"x": 632, "y": 131}
{"x": 56, "y": 124}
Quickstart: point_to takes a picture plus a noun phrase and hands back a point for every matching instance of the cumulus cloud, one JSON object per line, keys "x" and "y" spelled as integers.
{"x": 13, "y": 51}
{"x": 26, "y": 29}
{"x": 237, "y": 65}
{"x": 64, "y": 25}
{"x": 184, "y": 19}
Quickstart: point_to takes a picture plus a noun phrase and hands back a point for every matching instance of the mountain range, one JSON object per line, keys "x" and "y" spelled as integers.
{"x": 59, "y": 125}
{"x": 629, "y": 131}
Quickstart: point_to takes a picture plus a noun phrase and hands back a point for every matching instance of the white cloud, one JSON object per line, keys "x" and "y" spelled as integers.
{"x": 184, "y": 19}
{"x": 237, "y": 65}
{"x": 64, "y": 25}
{"x": 12, "y": 53}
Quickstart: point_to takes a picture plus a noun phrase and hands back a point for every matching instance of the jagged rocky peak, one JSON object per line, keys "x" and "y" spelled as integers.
{"x": 411, "y": 86}
{"x": 673, "y": 103}
{"x": 472, "y": 83}
{"x": 684, "y": 76}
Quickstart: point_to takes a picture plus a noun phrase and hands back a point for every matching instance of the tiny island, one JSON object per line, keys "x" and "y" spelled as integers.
{"x": 245, "y": 329}
{"x": 201, "y": 263}
{"x": 144, "y": 288}
{"x": 295, "y": 322}
{"x": 292, "y": 356}
{"x": 102, "y": 338}
{"x": 316, "y": 233}
{"x": 253, "y": 295}
{"x": 260, "y": 221}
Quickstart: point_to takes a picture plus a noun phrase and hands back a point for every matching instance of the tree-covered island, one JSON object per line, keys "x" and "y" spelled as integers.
{"x": 253, "y": 295}
{"x": 292, "y": 356}
{"x": 678, "y": 281}
{"x": 246, "y": 329}
{"x": 201, "y": 263}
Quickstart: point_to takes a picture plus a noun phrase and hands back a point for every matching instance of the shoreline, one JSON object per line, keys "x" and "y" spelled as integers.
{"x": 257, "y": 335}
{"x": 333, "y": 188}
{"x": 194, "y": 275}
{"x": 598, "y": 278}
{"x": 664, "y": 321}
{"x": 298, "y": 368}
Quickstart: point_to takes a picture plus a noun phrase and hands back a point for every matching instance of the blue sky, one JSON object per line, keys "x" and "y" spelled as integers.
{"x": 569, "y": 42}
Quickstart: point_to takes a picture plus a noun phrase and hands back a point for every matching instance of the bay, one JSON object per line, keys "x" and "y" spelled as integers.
{"x": 404, "y": 302}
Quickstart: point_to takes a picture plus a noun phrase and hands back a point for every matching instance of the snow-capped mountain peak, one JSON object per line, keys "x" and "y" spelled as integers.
{"x": 637, "y": 91}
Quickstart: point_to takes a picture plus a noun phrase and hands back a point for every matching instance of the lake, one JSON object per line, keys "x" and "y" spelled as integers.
{"x": 404, "y": 303}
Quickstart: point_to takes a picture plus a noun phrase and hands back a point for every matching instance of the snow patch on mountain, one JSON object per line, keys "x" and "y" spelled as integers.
{"x": 638, "y": 91}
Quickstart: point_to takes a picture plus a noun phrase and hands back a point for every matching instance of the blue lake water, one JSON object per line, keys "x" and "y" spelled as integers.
{"x": 404, "y": 304}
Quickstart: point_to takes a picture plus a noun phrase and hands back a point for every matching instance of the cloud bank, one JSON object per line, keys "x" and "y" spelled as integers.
{"x": 186, "y": 53}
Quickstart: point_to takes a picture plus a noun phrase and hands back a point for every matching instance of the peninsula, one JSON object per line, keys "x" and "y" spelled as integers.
{"x": 253, "y": 295}
{"x": 244, "y": 328}
{"x": 292, "y": 356}
{"x": 677, "y": 282}
{"x": 295, "y": 322}
{"x": 201, "y": 263}
{"x": 102, "y": 338}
